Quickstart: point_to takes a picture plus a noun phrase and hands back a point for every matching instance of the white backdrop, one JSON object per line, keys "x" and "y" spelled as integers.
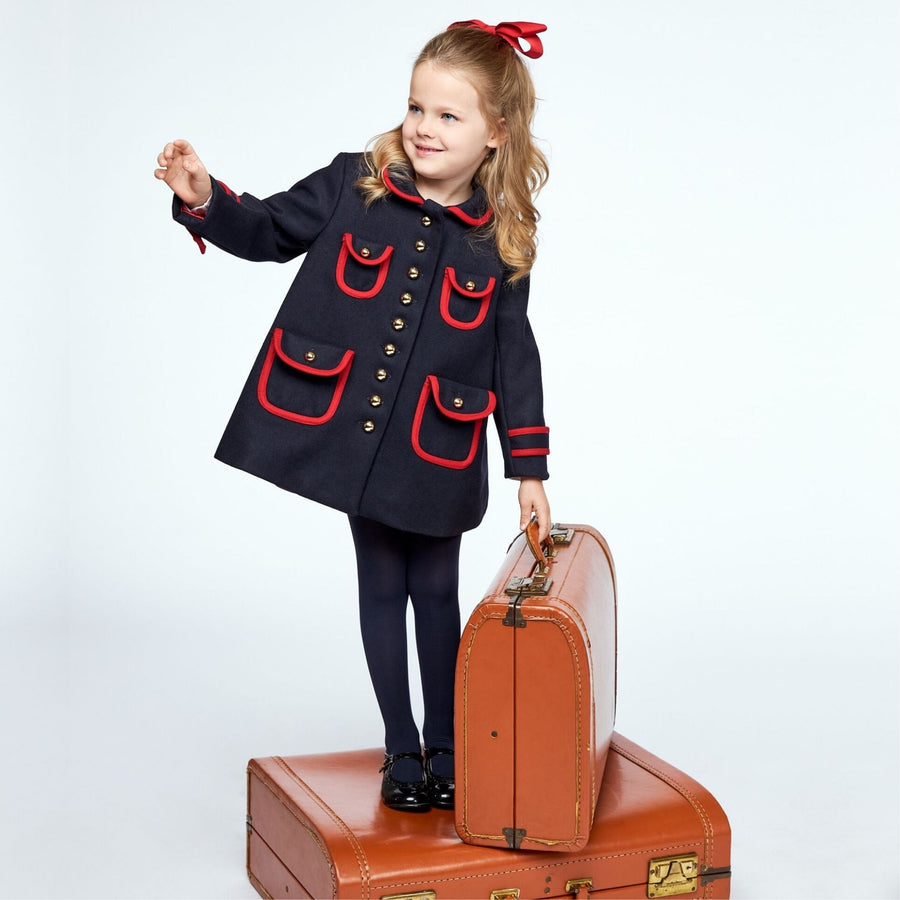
{"x": 716, "y": 299}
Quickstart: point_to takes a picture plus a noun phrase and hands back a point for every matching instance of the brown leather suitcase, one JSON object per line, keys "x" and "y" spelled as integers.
{"x": 536, "y": 693}
{"x": 317, "y": 828}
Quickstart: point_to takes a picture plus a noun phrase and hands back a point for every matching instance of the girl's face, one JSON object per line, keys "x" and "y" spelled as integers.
{"x": 445, "y": 134}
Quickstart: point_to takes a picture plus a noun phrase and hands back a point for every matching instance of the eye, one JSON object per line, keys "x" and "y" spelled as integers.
{"x": 449, "y": 117}
{"x": 414, "y": 109}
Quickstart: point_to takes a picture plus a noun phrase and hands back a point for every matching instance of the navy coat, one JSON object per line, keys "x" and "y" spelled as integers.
{"x": 397, "y": 340}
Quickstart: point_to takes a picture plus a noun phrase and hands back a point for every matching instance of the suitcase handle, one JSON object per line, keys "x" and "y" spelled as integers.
{"x": 538, "y": 583}
{"x": 532, "y": 530}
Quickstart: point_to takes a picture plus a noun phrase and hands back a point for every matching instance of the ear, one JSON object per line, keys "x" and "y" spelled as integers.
{"x": 498, "y": 136}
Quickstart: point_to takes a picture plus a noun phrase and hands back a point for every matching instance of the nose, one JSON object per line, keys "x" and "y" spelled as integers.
{"x": 424, "y": 127}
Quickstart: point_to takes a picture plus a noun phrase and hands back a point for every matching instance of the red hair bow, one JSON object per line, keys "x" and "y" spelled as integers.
{"x": 513, "y": 33}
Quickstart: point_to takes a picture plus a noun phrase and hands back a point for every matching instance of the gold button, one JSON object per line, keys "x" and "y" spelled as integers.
{"x": 470, "y": 285}
{"x": 368, "y": 426}
{"x": 413, "y": 273}
{"x": 366, "y": 252}
{"x": 426, "y": 220}
{"x": 406, "y": 299}
{"x": 420, "y": 246}
{"x": 375, "y": 400}
{"x": 398, "y": 324}
{"x": 310, "y": 356}
{"x": 389, "y": 349}
{"x": 458, "y": 402}
{"x": 381, "y": 375}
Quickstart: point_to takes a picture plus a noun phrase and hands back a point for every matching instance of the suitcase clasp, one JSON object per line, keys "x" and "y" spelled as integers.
{"x": 672, "y": 875}
{"x": 505, "y": 894}
{"x": 580, "y": 887}
{"x": 420, "y": 895}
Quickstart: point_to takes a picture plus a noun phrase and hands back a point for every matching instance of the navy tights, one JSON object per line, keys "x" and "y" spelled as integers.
{"x": 394, "y": 567}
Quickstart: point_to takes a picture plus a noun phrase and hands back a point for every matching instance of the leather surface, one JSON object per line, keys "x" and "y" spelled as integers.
{"x": 320, "y": 830}
{"x": 535, "y": 705}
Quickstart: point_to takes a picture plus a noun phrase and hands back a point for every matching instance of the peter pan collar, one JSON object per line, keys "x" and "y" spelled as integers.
{"x": 474, "y": 211}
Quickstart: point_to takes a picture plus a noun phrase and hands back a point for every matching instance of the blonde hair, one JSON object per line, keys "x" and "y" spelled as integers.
{"x": 512, "y": 174}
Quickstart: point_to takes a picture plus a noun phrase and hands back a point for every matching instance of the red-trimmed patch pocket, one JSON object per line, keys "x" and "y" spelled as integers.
{"x": 449, "y": 422}
{"x": 303, "y": 379}
{"x": 362, "y": 266}
{"x": 465, "y": 299}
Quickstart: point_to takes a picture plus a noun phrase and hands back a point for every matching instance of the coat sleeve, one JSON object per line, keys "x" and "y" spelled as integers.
{"x": 276, "y": 229}
{"x": 519, "y": 414}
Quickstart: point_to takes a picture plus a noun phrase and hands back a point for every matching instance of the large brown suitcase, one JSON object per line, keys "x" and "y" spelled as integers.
{"x": 535, "y": 695}
{"x": 317, "y": 828}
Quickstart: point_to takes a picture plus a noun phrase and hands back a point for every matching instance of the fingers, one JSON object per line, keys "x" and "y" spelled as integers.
{"x": 533, "y": 501}
{"x": 176, "y": 152}
{"x": 542, "y": 514}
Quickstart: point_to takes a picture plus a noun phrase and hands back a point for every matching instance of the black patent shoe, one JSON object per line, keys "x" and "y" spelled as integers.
{"x": 441, "y": 789}
{"x": 408, "y": 796}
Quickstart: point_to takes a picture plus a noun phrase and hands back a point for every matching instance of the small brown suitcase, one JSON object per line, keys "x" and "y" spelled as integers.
{"x": 535, "y": 695}
{"x": 317, "y": 829}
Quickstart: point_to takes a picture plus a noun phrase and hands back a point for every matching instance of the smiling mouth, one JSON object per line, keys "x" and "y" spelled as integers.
{"x": 426, "y": 151}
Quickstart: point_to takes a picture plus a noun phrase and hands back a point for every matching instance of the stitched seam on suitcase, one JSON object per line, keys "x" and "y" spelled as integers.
{"x": 578, "y": 728}
{"x": 358, "y": 852}
{"x": 709, "y": 831}
{"x": 308, "y": 828}
{"x": 573, "y": 649}
{"x": 579, "y": 736}
{"x": 567, "y": 863}
{"x": 258, "y": 885}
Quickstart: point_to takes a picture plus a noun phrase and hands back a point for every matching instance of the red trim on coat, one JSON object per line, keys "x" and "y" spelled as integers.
{"x": 413, "y": 198}
{"x": 229, "y": 192}
{"x": 197, "y": 215}
{"x": 533, "y": 451}
{"x": 461, "y": 214}
{"x": 517, "y": 432}
{"x": 432, "y": 386}
{"x": 347, "y": 250}
{"x": 471, "y": 220}
{"x": 485, "y": 297}
{"x": 342, "y": 369}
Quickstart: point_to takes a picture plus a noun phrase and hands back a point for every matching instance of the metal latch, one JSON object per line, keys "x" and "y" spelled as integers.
{"x": 420, "y": 895}
{"x": 537, "y": 584}
{"x": 672, "y": 875}
{"x": 505, "y": 894}
{"x": 578, "y": 885}
{"x": 559, "y": 534}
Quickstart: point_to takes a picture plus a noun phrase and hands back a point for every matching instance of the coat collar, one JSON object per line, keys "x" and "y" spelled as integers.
{"x": 474, "y": 211}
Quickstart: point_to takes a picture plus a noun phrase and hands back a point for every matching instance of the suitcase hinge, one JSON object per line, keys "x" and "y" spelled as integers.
{"x": 672, "y": 875}
{"x": 249, "y": 824}
{"x": 514, "y": 837}
{"x": 709, "y": 874}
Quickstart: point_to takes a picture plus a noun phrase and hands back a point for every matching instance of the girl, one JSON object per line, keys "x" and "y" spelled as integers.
{"x": 404, "y": 330}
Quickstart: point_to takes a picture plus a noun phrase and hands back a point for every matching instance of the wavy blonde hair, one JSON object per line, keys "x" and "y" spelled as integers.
{"x": 513, "y": 174}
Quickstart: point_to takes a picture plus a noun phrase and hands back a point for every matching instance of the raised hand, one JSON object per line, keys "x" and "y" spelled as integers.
{"x": 183, "y": 171}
